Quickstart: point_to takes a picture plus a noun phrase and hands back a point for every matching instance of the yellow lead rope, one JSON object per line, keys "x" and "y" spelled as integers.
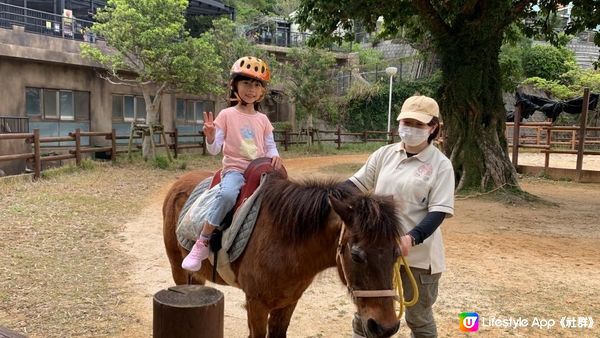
{"x": 398, "y": 285}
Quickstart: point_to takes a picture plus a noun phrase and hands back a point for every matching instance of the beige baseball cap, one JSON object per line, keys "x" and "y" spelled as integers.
{"x": 420, "y": 108}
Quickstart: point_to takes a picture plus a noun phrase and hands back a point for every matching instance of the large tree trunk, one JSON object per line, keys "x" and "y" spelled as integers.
{"x": 473, "y": 111}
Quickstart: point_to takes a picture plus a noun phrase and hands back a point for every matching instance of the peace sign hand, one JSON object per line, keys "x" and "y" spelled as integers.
{"x": 209, "y": 128}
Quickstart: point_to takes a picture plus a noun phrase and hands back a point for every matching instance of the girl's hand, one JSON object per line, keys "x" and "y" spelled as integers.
{"x": 276, "y": 162}
{"x": 209, "y": 128}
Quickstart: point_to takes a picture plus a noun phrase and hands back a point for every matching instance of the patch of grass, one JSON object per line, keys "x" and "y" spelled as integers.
{"x": 161, "y": 162}
{"x": 327, "y": 149}
{"x": 61, "y": 276}
{"x": 345, "y": 170}
{"x": 87, "y": 164}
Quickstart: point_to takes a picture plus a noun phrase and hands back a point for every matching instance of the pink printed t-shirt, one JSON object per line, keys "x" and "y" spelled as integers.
{"x": 244, "y": 137}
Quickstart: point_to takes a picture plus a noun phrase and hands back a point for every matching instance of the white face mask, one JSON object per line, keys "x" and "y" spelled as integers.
{"x": 413, "y": 136}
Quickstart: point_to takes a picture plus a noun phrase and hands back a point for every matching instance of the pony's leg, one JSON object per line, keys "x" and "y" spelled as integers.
{"x": 279, "y": 320}
{"x": 257, "y": 318}
{"x": 180, "y": 276}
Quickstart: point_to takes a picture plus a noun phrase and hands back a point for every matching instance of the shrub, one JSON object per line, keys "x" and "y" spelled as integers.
{"x": 367, "y": 109}
{"x": 547, "y": 62}
{"x": 161, "y": 162}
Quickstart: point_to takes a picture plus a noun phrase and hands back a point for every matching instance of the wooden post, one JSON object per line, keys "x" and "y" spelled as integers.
{"x": 152, "y": 145}
{"x": 176, "y": 142}
{"x": 365, "y": 136}
{"x": 188, "y": 311}
{"x": 161, "y": 130}
{"x": 549, "y": 143}
{"x": 516, "y": 137}
{"x": 203, "y": 143}
{"x": 131, "y": 133}
{"x": 339, "y": 136}
{"x": 285, "y": 139}
{"x": 573, "y": 139}
{"x": 583, "y": 122}
{"x": 113, "y": 144}
{"x": 37, "y": 160}
{"x": 78, "y": 147}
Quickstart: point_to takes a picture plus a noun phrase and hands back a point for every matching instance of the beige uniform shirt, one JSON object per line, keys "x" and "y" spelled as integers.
{"x": 419, "y": 184}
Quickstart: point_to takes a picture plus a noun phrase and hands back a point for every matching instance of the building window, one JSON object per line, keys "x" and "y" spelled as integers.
{"x": 57, "y": 104}
{"x": 33, "y": 102}
{"x": 190, "y": 111}
{"x": 128, "y": 108}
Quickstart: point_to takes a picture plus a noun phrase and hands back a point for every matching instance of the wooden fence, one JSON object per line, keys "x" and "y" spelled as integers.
{"x": 36, "y": 155}
{"x": 543, "y": 136}
{"x": 543, "y": 139}
{"x": 335, "y": 136}
{"x": 76, "y": 153}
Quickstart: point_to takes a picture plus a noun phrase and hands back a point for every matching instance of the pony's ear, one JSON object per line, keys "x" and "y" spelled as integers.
{"x": 343, "y": 209}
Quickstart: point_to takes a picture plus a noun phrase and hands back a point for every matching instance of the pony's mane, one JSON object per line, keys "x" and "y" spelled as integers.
{"x": 300, "y": 208}
{"x": 376, "y": 218}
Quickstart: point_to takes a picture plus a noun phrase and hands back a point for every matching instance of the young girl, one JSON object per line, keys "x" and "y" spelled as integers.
{"x": 244, "y": 134}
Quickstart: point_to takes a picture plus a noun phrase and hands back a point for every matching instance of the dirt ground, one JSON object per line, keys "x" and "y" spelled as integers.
{"x": 505, "y": 261}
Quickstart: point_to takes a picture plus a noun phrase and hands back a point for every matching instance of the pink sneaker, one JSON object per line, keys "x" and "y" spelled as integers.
{"x": 193, "y": 261}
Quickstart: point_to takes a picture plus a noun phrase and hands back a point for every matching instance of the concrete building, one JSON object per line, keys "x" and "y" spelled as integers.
{"x": 46, "y": 84}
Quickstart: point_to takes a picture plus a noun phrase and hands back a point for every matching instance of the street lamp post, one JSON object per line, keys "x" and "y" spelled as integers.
{"x": 391, "y": 71}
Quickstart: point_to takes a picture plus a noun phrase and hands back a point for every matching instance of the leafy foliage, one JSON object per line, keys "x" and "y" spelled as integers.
{"x": 368, "y": 109}
{"x": 367, "y": 56}
{"x": 147, "y": 38}
{"x": 249, "y": 11}
{"x": 571, "y": 86}
{"x": 308, "y": 75}
{"x": 150, "y": 49}
{"x": 511, "y": 58}
{"x": 547, "y": 62}
{"x": 511, "y": 67}
{"x": 229, "y": 45}
{"x": 466, "y": 35}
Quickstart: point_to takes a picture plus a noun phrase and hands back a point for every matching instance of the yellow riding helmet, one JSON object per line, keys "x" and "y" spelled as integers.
{"x": 251, "y": 67}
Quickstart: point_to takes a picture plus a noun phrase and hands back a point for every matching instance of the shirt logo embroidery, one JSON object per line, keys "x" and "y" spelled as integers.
{"x": 248, "y": 148}
{"x": 424, "y": 171}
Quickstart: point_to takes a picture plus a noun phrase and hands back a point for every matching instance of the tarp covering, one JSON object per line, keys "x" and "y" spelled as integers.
{"x": 552, "y": 109}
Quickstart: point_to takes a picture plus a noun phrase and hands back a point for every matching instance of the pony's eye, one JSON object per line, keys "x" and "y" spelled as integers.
{"x": 358, "y": 255}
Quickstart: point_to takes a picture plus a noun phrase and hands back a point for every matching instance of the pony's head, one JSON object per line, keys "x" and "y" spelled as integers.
{"x": 367, "y": 251}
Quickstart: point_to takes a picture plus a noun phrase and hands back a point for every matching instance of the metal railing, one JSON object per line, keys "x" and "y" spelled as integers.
{"x": 45, "y": 23}
{"x": 11, "y": 124}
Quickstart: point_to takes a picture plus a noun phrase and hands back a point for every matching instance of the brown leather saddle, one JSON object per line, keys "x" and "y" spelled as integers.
{"x": 252, "y": 176}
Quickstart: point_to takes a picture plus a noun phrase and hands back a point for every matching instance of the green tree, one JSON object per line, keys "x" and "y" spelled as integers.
{"x": 467, "y": 36}
{"x": 229, "y": 45}
{"x": 310, "y": 83}
{"x": 252, "y": 11}
{"x": 150, "y": 49}
{"x": 547, "y": 62}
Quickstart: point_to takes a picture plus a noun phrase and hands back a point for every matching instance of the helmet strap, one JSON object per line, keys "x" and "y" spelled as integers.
{"x": 238, "y": 98}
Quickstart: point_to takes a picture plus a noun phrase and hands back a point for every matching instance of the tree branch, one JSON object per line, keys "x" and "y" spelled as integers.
{"x": 517, "y": 9}
{"x": 120, "y": 81}
{"x": 469, "y": 7}
{"x": 429, "y": 13}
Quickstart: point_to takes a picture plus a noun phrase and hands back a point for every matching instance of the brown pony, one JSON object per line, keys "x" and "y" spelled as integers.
{"x": 301, "y": 230}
